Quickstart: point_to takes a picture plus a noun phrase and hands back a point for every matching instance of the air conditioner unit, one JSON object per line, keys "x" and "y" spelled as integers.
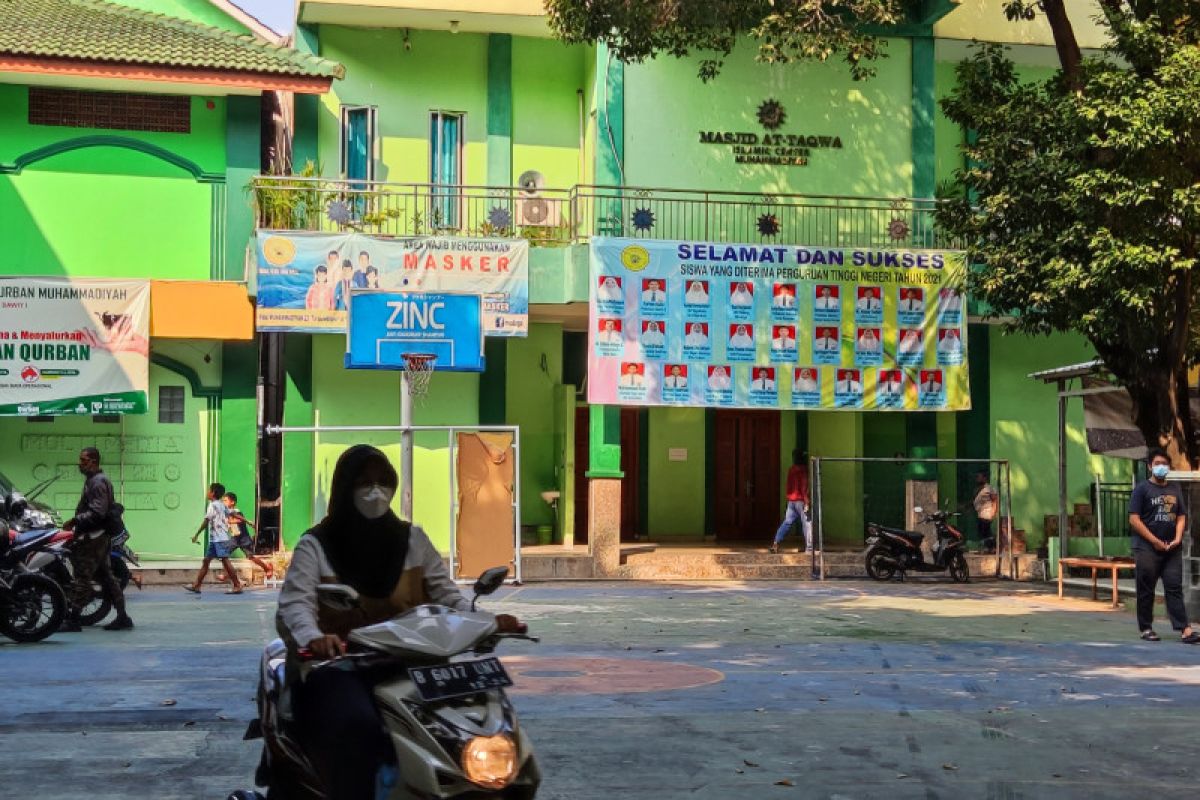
{"x": 533, "y": 210}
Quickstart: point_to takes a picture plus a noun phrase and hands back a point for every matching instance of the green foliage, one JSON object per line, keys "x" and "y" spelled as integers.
{"x": 280, "y": 204}
{"x": 785, "y": 30}
{"x": 1082, "y": 207}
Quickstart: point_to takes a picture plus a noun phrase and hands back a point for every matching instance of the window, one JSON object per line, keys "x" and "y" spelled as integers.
{"x": 358, "y": 143}
{"x": 109, "y": 419}
{"x": 39, "y": 419}
{"x": 71, "y": 108}
{"x": 445, "y": 167}
{"x": 170, "y": 405}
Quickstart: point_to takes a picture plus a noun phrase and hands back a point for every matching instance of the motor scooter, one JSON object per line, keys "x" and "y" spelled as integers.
{"x": 32, "y": 606}
{"x": 51, "y": 556}
{"x": 892, "y": 551}
{"x": 453, "y": 730}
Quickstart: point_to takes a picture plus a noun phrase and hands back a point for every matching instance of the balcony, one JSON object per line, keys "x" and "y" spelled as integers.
{"x": 559, "y": 217}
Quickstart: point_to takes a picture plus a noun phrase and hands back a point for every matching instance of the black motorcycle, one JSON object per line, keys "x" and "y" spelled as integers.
{"x": 32, "y": 606}
{"x": 893, "y": 550}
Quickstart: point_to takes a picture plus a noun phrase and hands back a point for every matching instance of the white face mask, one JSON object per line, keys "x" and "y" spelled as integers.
{"x": 373, "y": 501}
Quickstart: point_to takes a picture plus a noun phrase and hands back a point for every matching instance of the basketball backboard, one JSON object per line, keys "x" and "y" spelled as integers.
{"x": 385, "y": 325}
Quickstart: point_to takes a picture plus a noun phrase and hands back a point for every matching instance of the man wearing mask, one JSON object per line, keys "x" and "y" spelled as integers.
{"x": 93, "y": 525}
{"x": 1158, "y": 520}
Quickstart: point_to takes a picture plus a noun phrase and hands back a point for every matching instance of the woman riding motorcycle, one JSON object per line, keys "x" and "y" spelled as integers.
{"x": 394, "y": 567}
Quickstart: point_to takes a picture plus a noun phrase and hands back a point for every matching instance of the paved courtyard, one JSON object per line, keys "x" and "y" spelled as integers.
{"x": 841, "y": 690}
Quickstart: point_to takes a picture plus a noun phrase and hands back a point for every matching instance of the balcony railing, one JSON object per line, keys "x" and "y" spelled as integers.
{"x": 564, "y": 216}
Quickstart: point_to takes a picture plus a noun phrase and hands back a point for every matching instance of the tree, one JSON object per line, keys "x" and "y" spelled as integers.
{"x": 1082, "y": 202}
{"x": 786, "y": 30}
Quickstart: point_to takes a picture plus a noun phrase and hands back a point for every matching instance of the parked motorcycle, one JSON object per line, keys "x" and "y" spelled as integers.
{"x": 32, "y": 606}
{"x": 892, "y": 550}
{"x": 53, "y": 558}
{"x": 454, "y": 731}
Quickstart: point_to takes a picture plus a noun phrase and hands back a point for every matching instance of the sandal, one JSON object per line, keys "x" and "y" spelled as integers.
{"x": 1191, "y": 638}
{"x": 187, "y": 587}
{"x": 234, "y": 591}
{"x": 1151, "y": 636}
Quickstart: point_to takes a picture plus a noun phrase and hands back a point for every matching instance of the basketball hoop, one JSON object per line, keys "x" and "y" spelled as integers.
{"x": 418, "y": 368}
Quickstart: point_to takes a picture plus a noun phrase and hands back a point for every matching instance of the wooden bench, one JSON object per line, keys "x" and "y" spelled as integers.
{"x": 1115, "y": 564}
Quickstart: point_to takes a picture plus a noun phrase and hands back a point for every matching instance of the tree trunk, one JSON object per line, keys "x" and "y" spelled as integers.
{"x": 1069, "y": 55}
{"x": 1161, "y": 411}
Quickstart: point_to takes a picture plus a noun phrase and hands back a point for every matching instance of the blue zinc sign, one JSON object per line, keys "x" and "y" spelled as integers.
{"x": 384, "y": 326}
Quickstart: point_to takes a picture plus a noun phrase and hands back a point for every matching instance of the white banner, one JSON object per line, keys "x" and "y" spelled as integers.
{"x": 73, "y": 346}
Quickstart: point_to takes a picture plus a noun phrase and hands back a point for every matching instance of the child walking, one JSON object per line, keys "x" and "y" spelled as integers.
{"x": 216, "y": 519}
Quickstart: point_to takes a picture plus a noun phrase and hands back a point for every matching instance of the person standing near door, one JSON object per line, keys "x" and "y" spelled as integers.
{"x": 797, "y": 503}
{"x": 1158, "y": 519}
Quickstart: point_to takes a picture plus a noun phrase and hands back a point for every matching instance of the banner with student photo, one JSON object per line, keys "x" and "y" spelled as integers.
{"x": 74, "y": 347}
{"x": 304, "y": 279}
{"x": 776, "y": 326}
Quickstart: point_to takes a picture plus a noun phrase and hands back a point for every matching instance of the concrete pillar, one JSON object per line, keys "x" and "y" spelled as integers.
{"x": 923, "y": 494}
{"x": 604, "y": 524}
{"x": 604, "y": 488}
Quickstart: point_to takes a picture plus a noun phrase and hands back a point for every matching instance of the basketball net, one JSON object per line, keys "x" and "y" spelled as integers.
{"x": 418, "y": 368}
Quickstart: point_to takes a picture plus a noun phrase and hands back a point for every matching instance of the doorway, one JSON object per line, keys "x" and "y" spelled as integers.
{"x": 745, "y": 474}
{"x": 630, "y": 465}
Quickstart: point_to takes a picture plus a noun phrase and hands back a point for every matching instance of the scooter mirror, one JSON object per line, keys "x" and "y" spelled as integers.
{"x": 337, "y": 596}
{"x": 491, "y": 580}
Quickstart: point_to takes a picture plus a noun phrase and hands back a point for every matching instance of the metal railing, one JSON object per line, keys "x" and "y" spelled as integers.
{"x": 564, "y": 216}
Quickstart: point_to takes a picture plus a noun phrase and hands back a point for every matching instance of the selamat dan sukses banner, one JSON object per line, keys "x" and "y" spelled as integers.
{"x": 73, "y": 346}
{"x": 708, "y": 324}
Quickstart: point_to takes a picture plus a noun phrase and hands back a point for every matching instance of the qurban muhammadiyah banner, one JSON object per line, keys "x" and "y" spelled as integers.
{"x": 304, "y": 279}
{"x": 774, "y": 326}
{"x": 73, "y": 346}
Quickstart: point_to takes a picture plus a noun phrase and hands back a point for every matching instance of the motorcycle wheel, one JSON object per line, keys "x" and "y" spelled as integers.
{"x": 879, "y": 565}
{"x": 959, "y": 572}
{"x": 34, "y": 610}
{"x": 97, "y": 608}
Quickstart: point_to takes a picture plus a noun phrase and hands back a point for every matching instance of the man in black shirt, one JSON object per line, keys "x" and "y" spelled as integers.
{"x": 93, "y": 525}
{"x": 1158, "y": 519}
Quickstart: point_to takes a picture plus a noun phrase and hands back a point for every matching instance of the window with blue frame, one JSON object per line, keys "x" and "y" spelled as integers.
{"x": 358, "y": 152}
{"x": 445, "y": 167}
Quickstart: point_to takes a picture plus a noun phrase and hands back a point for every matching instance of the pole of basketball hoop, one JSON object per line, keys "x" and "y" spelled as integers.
{"x": 406, "y": 449}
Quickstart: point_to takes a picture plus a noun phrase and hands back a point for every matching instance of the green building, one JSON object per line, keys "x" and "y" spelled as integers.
{"x": 128, "y": 136}
{"x": 438, "y": 102}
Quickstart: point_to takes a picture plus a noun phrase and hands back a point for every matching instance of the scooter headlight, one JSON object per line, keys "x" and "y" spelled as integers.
{"x": 490, "y": 761}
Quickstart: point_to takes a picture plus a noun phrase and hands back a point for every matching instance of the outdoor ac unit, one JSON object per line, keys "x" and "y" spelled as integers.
{"x": 533, "y": 210}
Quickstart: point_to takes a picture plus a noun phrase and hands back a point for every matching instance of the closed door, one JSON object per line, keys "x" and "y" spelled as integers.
{"x": 746, "y": 491}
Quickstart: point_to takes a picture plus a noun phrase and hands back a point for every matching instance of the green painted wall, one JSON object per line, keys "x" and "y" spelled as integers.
{"x": 839, "y": 434}
{"x": 82, "y": 212}
{"x": 533, "y": 375}
{"x": 297, "y": 489}
{"x": 546, "y": 77}
{"x": 440, "y": 71}
{"x": 372, "y": 397}
{"x": 158, "y": 470}
{"x": 675, "y": 487}
{"x": 1025, "y": 428}
{"x": 243, "y": 137}
{"x": 666, "y": 106}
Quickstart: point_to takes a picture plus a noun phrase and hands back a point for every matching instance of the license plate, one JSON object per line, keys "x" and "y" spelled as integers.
{"x": 459, "y": 678}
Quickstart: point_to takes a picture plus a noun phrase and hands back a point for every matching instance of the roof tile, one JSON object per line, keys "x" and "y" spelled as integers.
{"x": 95, "y": 30}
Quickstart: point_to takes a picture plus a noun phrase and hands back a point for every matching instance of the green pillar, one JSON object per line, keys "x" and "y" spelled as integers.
{"x": 610, "y": 118}
{"x": 239, "y": 414}
{"x": 921, "y": 433}
{"x": 308, "y": 108}
{"x": 604, "y": 442}
{"x": 924, "y": 108}
{"x": 243, "y": 154}
{"x": 297, "y": 447}
{"x": 499, "y": 110}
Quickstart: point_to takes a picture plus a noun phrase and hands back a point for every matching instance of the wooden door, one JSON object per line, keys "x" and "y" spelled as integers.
{"x": 630, "y": 465}
{"x": 746, "y": 458}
